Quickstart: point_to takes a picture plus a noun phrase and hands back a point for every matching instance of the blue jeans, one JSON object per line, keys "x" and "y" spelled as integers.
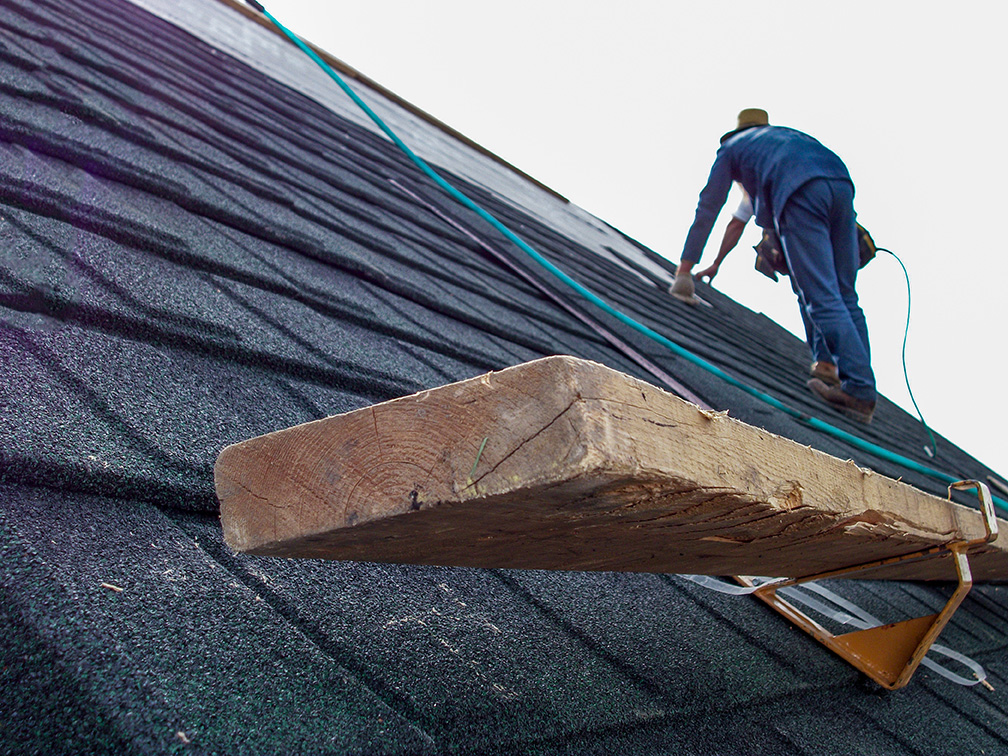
{"x": 819, "y": 238}
{"x": 816, "y": 342}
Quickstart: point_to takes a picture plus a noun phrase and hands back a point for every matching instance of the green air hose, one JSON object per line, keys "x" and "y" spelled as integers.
{"x": 934, "y": 444}
{"x": 589, "y": 295}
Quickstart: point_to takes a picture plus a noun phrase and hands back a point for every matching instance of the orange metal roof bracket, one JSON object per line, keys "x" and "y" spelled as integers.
{"x": 888, "y": 654}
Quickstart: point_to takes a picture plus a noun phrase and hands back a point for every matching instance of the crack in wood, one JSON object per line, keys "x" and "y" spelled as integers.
{"x": 253, "y": 494}
{"x": 374, "y": 416}
{"x": 525, "y": 442}
{"x": 660, "y": 425}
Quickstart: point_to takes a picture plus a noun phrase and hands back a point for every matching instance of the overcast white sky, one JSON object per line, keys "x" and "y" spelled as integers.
{"x": 619, "y": 106}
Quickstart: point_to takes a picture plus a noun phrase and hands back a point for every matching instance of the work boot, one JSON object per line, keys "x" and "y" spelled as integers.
{"x": 856, "y": 409}
{"x": 683, "y": 288}
{"x": 826, "y": 372}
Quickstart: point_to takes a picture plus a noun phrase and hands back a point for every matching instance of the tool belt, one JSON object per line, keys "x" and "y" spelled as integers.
{"x": 770, "y": 259}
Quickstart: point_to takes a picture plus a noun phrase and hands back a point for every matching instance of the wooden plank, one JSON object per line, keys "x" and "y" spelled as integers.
{"x": 566, "y": 464}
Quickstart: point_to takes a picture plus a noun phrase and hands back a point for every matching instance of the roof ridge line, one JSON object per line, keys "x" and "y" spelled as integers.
{"x": 356, "y": 75}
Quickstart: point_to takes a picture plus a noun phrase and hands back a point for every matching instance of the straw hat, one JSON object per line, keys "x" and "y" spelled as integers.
{"x": 747, "y": 119}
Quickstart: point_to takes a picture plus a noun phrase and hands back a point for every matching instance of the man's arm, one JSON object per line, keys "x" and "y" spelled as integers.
{"x": 712, "y": 199}
{"x": 732, "y": 234}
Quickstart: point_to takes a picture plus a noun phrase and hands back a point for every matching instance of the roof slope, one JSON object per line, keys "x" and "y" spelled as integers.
{"x": 195, "y": 253}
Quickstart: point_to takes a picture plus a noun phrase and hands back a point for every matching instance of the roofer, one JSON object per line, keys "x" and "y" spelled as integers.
{"x": 803, "y": 192}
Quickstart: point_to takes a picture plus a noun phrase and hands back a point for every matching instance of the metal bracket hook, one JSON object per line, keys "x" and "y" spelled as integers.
{"x": 889, "y": 654}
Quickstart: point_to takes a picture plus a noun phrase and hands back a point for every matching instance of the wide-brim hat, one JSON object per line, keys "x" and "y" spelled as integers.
{"x": 747, "y": 119}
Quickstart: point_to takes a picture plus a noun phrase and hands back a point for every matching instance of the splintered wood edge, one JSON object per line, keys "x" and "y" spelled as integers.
{"x": 560, "y": 425}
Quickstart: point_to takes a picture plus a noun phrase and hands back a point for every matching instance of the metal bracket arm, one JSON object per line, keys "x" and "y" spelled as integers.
{"x": 888, "y": 654}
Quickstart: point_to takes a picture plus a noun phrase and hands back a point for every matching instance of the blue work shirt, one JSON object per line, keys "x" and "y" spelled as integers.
{"x": 770, "y": 162}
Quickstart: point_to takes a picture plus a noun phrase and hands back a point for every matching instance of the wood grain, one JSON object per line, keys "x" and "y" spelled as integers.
{"x": 565, "y": 464}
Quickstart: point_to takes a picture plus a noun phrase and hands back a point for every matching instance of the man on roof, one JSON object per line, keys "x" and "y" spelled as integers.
{"x": 803, "y": 192}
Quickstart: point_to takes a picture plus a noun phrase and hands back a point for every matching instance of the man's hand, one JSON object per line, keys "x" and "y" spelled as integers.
{"x": 707, "y": 273}
{"x": 732, "y": 234}
{"x": 682, "y": 287}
